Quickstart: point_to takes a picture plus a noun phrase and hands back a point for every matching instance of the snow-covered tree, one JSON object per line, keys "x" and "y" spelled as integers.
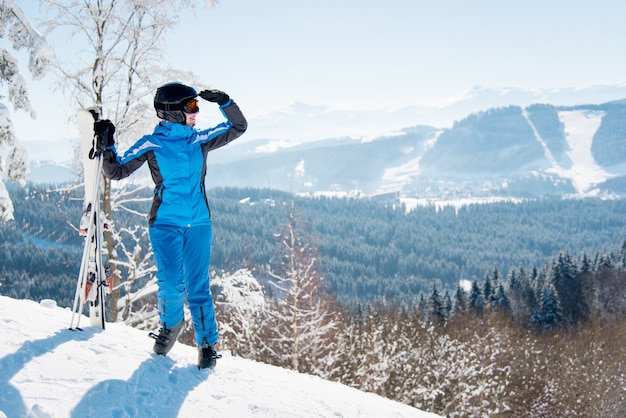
{"x": 115, "y": 67}
{"x": 436, "y": 306}
{"x": 16, "y": 33}
{"x": 488, "y": 290}
{"x": 522, "y": 295}
{"x": 365, "y": 363}
{"x": 241, "y": 307}
{"x": 460, "y": 300}
{"x": 302, "y": 319}
{"x": 476, "y": 299}
{"x": 501, "y": 301}
{"x": 608, "y": 299}
{"x": 447, "y": 303}
{"x": 567, "y": 283}
{"x": 438, "y": 361}
{"x": 551, "y": 313}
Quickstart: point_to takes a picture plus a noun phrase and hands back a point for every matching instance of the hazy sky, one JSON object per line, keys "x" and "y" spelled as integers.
{"x": 367, "y": 54}
{"x": 398, "y": 52}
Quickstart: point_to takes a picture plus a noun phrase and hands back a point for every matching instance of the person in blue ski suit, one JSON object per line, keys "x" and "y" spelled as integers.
{"x": 180, "y": 218}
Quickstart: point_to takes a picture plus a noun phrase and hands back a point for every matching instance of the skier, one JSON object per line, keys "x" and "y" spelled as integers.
{"x": 180, "y": 219}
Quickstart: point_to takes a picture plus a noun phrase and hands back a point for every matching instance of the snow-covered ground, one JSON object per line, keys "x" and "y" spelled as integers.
{"x": 47, "y": 370}
{"x": 580, "y": 127}
{"x": 411, "y": 203}
{"x": 394, "y": 178}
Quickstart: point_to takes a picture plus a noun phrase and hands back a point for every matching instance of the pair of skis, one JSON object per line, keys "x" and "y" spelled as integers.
{"x": 94, "y": 279}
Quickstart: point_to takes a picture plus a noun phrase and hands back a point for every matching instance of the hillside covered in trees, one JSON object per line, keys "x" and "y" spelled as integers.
{"x": 368, "y": 250}
{"x": 542, "y": 343}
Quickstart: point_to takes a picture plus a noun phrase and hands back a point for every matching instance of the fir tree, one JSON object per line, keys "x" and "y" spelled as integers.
{"x": 460, "y": 301}
{"x": 551, "y": 315}
{"x": 422, "y": 305}
{"x": 501, "y": 299}
{"x": 495, "y": 284}
{"x": 436, "y": 307}
{"x": 488, "y": 290}
{"x": 566, "y": 282}
{"x": 622, "y": 255}
{"x": 447, "y": 303}
{"x": 533, "y": 294}
{"x": 476, "y": 301}
{"x": 585, "y": 264}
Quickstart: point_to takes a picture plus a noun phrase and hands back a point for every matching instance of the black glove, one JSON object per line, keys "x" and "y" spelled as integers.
{"x": 215, "y": 96}
{"x": 104, "y": 131}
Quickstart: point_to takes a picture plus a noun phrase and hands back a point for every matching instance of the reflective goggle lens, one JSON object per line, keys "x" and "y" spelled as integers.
{"x": 192, "y": 106}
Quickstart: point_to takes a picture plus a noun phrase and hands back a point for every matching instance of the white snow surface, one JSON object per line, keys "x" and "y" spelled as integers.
{"x": 580, "y": 127}
{"x": 46, "y": 370}
{"x": 394, "y": 178}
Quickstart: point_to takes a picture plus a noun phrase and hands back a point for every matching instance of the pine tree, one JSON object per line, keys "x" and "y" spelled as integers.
{"x": 501, "y": 299}
{"x": 532, "y": 293}
{"x": 436, "y": 306}
{"x": 604, "y": 261}
{"x": 447, "y": 304}
{"x": 476, "y": 301}
{"x": 568, "y": 287}
{"x": 515, "y": 294}
{"x": 488, "y": 290}
{"x": 422, "y": 305}
{"x": 460, "y": 301}
{"x": 551, "y": 314}
{"x": 622, "y": 255}
{"x": 585, "y": 264}
{"x": 496, "y": 280}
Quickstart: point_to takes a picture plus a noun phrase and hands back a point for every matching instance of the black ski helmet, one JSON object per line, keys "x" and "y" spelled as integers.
{"x": 170, "y": 100}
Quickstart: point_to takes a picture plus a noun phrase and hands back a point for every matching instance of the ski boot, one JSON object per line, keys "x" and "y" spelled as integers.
{"x": 166, "y": 338}
{"x": 207, "y": 356}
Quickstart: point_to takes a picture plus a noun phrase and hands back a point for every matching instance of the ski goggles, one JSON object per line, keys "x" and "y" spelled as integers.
{"x": 191, "y": 106}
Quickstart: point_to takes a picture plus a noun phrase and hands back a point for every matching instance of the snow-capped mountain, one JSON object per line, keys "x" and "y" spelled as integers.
{"x": 512, "y": 152}
{"x": 49, "y": 371}
{"x": 505, "y": 152}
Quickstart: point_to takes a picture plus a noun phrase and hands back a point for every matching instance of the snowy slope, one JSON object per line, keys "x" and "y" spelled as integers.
{"x": 48, "y": 371}
{"x": 580, "y": 127}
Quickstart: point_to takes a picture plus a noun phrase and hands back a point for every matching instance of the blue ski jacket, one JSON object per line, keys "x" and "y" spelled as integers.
{"x": 176, "y": 156}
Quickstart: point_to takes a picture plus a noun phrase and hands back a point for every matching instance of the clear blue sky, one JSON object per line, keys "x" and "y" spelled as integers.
{"x": 367, "y": 54}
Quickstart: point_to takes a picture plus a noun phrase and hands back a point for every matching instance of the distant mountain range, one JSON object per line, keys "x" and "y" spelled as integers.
{"x": 507, "y": 151}
{"x": 305, "y": 122}
{"x": 512, "y": 152}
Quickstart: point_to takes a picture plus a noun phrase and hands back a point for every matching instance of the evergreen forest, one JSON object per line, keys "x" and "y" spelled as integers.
{"x": 368, "y": 250}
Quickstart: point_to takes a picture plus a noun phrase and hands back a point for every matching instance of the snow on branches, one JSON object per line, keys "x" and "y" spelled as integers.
{"x": 16, "y": 30}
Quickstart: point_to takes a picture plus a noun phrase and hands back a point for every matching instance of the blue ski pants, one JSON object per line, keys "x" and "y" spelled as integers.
{"x": 182, "y": 257}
